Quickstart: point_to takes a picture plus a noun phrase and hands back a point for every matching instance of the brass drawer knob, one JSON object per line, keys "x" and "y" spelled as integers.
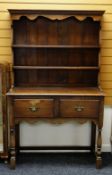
{"x": 79, "y": 108}
{"x": 34, "y": 108}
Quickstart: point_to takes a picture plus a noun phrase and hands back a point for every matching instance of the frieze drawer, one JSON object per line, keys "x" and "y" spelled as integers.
{"x": 33, "y": 107}
{"x": 79, "y": 108}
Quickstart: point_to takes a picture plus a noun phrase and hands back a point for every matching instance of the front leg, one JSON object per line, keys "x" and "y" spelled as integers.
{"x": 12, "y": 134}
{"x": 99, "y": 136}
{"x": 12, "y": 149}
{"x": 98, "y": 149}
{"x": 12, "y": 158}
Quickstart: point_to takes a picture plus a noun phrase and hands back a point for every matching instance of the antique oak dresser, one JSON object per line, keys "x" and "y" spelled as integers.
{"x": 55, "y": 71}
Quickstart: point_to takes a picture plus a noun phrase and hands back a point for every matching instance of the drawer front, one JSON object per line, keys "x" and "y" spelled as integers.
{"x": 79, "y": 108}
{"x": 33, "y": 107}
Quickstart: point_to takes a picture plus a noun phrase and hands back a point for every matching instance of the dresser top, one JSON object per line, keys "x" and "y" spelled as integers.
{"x": 56, "y": 91}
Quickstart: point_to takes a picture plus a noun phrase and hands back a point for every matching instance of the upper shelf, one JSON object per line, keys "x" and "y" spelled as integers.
{"x": 56, "y": 14}
{"x": 55, "y": 46}
{"x": 59, "y": 67}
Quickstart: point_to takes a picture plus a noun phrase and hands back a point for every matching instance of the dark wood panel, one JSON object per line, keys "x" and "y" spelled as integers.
{"x": 68, "y": 31}
{"x": 56, "y": 57}
{"x": 36, "y": 78}
{"x": 90, "y": 32}
{"x": 19, "y": 31}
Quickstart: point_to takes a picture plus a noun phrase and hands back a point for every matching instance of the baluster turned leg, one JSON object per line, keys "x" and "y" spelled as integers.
{"x": 12, "y": 149}
{"x": 12, "y": 135}
{"x": 93, "y": 137}
{"x": 98, "y": 149}
{"x": 12, "y": 159}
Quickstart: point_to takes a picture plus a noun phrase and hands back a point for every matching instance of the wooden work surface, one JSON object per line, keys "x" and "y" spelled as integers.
{"x": 56, "y": 91}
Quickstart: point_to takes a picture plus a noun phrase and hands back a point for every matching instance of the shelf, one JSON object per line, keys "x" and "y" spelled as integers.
{"x": 56, "y": 46}
{"x": 58, "y": 67}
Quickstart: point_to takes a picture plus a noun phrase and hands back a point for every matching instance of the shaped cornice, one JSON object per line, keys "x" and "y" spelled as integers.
{"x": 56, "y": 15}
